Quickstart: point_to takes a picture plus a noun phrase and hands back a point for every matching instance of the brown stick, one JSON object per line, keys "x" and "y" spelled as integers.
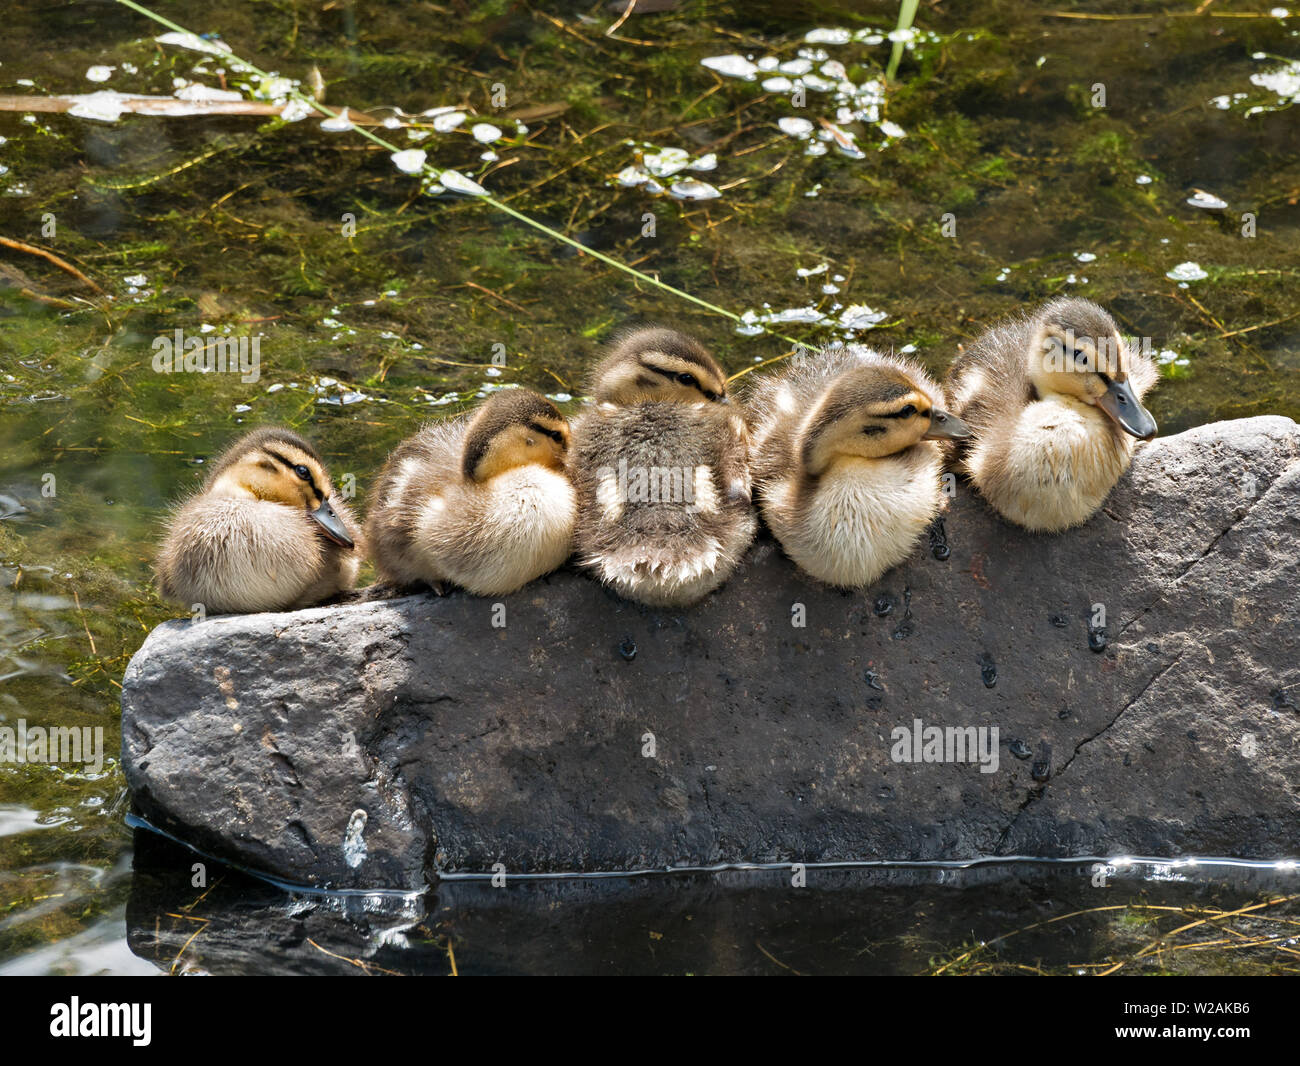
{"x": 53, "y": 301}
{"x": 62, "y": 264}
{"x": 167, "y": 106}
{"x": 143, "y": 105}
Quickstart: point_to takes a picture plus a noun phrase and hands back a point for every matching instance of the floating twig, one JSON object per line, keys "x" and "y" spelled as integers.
{"x": 62, "y": 264}
{"x": 162, "y": 106}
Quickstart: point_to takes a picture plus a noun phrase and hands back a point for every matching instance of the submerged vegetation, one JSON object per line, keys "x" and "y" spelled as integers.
{"x": 817, "y": 173}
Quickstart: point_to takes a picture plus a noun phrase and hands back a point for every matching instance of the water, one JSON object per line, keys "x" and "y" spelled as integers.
{"x": 1048, "y": 918}
{"x": 237, "y": 227}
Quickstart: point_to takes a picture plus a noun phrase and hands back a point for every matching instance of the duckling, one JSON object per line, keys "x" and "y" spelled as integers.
{"x": 845, "y": 472}
{"x": 481, "y": 501}
{"x": 1054, "y": 403}
{"x": 661, "y": 466}
{"x": 267, "y": 532}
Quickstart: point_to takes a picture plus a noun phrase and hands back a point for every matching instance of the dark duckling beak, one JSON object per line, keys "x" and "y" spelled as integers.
{"x": 1122, "y": 404}
{"x": 332, "y": 524}
{"x": 944, "y": 426}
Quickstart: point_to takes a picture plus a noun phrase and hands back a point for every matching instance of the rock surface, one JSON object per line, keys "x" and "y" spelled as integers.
{"x": 465, "y": 743}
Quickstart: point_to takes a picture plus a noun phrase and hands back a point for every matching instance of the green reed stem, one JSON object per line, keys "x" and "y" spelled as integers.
{"x": 906, "y": 13}
{"x": 491, "y": 201}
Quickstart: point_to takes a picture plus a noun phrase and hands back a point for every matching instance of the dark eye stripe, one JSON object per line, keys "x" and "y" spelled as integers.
{"x": 672, "y": 375}
{"x": 554, "y": 434}
{"x": 290, "y": 466}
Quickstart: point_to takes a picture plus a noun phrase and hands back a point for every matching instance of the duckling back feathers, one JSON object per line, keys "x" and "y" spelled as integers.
{"x": 661, "y": 467}
{"x": 664, "y": 513}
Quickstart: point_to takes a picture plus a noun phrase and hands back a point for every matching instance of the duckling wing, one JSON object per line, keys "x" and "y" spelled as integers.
{"x": 423, "y": 467}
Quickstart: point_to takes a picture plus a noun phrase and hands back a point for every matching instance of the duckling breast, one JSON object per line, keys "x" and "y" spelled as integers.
{"x": 238, "y": 555}
{"x": 1055, "y": 466}
{"x": 492, "y": 539}
{"x": 858, "y": 519}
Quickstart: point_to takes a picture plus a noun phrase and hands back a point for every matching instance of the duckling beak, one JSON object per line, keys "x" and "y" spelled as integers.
{"x": 332, "y": 524}
{"x": 1122, "y": 404}
{"x": 944, "y": 426}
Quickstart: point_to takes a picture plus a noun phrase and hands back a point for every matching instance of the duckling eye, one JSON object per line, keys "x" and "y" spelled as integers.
{"x": 1080, "y": 356}
{"x": 302, "y": 472}
{"x": 687, "y": 379}
{"x": 555, "y": 435}
{"x": 907, "y": 412}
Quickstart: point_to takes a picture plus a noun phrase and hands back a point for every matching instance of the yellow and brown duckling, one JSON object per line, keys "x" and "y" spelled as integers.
{"x": 845, "y": 471}
{"x": 265, "y": 533}
{"x": 660, "y": 462}
{"x": 481, "y": 501}
{"x": 1054, "y": 402}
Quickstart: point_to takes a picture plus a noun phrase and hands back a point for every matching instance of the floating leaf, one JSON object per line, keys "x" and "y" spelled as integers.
{"x": 340, "y": 123}
{"x": 457, "y": 182}
{"x": 1187, "y": 272}
{"x": 410, "y": 161}
{"x": 732, "y": 66}
{"x": 795, "y": 127}
{"x": 691, "y": 189}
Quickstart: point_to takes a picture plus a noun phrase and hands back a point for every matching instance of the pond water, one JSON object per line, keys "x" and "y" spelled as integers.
{"x": 1147, "y": 162}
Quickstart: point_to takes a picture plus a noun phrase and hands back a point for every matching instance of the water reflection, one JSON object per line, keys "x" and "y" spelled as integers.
{"x": 986, "y": 918}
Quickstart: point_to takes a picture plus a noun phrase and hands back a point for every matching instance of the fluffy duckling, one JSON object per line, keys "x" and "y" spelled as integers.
{"x": 265, "y": 533}
{"x": 845, "y": 472}
{"x": 661, "y": 466}
{"x": 481, "y": 501}
{"x": 1054, "y": 402}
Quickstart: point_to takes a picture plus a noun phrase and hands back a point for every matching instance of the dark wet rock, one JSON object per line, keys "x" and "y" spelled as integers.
{"x": 734, "y": 735}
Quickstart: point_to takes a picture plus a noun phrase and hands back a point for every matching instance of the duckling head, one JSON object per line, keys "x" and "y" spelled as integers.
{"x": 1078, "y": 352}
{"x": 659, "y": 365}
{"x": 278, "y": 466}
{"x": 513, "y": 428}
{"x": 873, "y": 411}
